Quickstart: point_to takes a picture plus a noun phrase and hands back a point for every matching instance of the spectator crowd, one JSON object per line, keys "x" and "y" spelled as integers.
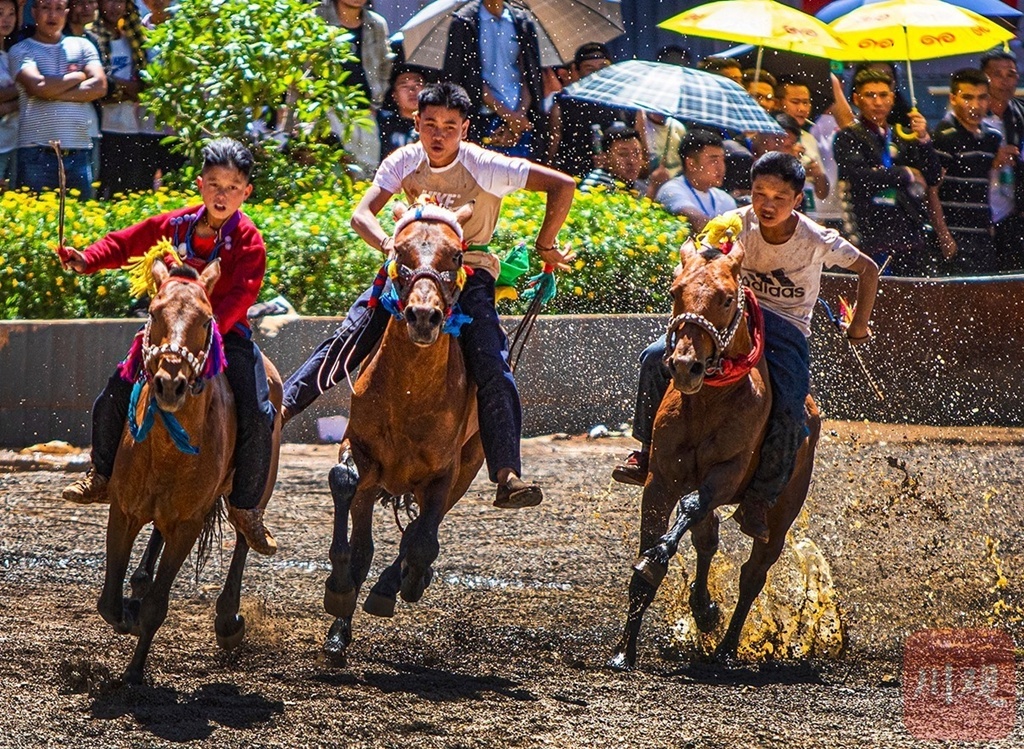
{"x": 946, "y": 198}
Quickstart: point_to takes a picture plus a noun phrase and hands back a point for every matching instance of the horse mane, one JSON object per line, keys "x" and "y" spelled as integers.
{"x": 184, "y": 271}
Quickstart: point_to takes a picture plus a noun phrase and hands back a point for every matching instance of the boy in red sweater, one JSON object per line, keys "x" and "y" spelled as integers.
{"x": 217, "y": 229}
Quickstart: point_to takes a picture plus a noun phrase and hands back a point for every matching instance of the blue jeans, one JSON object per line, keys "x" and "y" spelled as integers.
{"x": 255, "y": 419}
{"x": 9, "y": 168}
{"x": 484, "y": 346}
{"x": 788, "y": 357}
{"x": 37, "y": 169}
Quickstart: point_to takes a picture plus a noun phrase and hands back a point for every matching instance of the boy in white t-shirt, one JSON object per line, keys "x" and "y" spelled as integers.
{"x": 443, "y": 166}
{"x": 784, "y": 254}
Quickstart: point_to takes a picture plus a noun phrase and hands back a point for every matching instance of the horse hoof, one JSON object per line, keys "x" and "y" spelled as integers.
{"x": 339, "y": 605}
{"x": 378, "y": 605}
{"x": 337, "y": 642}
{"x": 706, "y": 618}
{"x": 619, "y": 662}
{"x": 131, "y": 608}
{"x": 132, "y": 677}
{"x": 230, "y": 637}
{"x": 652, "y": 572}
{"x": 705, "y": 615}
{"x": 725, "y": 655}
{"x": 413, "y": 591}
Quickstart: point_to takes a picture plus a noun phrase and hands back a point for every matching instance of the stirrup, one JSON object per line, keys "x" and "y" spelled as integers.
{"x": 634, "y": 470}
{"x": 515, "y": 494}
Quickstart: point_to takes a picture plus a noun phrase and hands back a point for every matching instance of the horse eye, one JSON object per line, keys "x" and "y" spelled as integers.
{"x": 457, "y": 259}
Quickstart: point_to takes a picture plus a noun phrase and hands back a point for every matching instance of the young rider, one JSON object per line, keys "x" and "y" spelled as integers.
{"x": 217, "y": 229}
{"x": 443, "y": 166}
{"x": 784, "y": 253}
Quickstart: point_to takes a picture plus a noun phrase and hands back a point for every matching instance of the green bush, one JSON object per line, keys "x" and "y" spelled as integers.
{"x": 223, "y": 65}
{"x": 627, "y": 249}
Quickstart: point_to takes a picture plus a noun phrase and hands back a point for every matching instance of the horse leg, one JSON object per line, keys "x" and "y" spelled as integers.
{"x": 382, "y": 596}
{"x": 153, "y": 607}
{"x": 762, "y": 556}
{"x": 655, "y": 508}
{"x": 423, "y": 544}
{"x": 142, "y": 578}
{"x": 121, "y": 533}
{"x": 653, "y": 562}
{"x": 229, "y": 626}
{"x": 704, "y": 537}
{"x": 340, "y": 590}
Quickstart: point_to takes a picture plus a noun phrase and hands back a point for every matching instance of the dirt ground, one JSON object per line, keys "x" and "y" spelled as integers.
{"x": 919, "y": 528}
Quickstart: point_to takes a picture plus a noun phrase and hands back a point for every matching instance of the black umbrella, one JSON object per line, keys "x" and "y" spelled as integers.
{"x": 780, "y": 63}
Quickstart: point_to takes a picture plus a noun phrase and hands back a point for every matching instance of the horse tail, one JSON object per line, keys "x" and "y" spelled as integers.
{"x": 210, "y": 535}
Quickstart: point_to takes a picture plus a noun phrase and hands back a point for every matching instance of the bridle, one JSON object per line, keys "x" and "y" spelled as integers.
{"x": 196, "y": 362}
{"x": 448, "y": 282}
{"x": 720, "y": 338}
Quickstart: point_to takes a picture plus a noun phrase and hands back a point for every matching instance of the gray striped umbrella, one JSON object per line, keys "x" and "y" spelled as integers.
{"x": 684, "y": 93}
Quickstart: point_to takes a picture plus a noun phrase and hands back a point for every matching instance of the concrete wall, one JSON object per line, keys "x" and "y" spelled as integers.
{"x": 576, "y": 372}
{"x": 944, "y": 352}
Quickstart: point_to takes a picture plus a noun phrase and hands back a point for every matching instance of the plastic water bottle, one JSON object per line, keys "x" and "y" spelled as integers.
{"x": 595, "y": 137}
{"x": 1006, "y": 179}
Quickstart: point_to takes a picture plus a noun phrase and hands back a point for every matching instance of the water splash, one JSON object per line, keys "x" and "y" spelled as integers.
{"x": 797, "y": 615}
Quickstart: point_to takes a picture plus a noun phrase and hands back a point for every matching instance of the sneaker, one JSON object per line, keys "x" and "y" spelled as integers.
{"x": 90, "y": 490}
{"x": 250, "y": 524}
{"x": 754, "y": 519}
{"x": 516, "y": 493}
{"x": 634, "y": 470}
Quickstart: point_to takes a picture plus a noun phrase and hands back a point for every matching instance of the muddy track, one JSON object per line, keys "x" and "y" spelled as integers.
{"x": 507, "y": 646}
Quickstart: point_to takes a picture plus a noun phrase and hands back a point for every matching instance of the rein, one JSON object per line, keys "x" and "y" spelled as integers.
{"x": 725, "y": 371}
{"x": 202, "y": 366}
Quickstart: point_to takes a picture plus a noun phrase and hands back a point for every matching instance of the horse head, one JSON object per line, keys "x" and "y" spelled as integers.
{"x": 428, "y": 273}
{"x": 707, "y": 311}
{"x": 180, "y": 332}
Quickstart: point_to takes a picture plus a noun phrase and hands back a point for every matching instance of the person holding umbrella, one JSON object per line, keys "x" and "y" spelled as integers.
{"x": 494, "y": 54}
{"x": 887, "y": 176}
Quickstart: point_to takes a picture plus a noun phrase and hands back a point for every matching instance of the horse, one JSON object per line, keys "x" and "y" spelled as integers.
{"x": 177, "y": 477}
{"x": 412, "y": 429}
{"x": 706, "y": 442}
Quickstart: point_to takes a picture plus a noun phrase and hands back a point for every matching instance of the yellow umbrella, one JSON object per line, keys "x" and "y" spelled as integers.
{"x": 762, "y": 23}
{"x": 915, "y": 30}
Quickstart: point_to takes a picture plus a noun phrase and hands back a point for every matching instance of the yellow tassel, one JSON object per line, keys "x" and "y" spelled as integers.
{"x": 140, "y": 268}
{"x": 460, "y": 278}
{"x": 720, "y": 231}
{"x": 392, "y": 270}
{"x": 502, "y": 293}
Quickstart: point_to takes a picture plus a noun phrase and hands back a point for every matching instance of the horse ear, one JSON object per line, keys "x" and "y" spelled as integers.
{"x": 686, "y": 249}
{"x": 463, "y": 214}
{"x": 160, "y": 272}
{"x": 736, "y": 255}
{"x": 210, "y": 275}
{"x": 399, "y": 210}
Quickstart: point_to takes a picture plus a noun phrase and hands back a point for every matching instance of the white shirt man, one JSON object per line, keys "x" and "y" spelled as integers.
{"x": 696, "y": 193}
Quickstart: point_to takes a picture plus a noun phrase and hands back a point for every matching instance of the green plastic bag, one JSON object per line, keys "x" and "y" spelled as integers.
{"x": 513, "y": 265}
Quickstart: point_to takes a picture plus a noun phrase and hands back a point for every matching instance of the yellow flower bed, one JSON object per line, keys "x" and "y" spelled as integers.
{"x": 627, "y": 249}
